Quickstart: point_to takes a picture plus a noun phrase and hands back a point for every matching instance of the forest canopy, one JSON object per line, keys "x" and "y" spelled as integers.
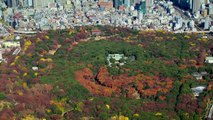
{"x": 65, "y": 74}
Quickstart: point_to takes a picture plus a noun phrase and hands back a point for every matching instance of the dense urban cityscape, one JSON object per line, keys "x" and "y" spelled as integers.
{"x": 106, "y": 59}
{"x": 29, "y": 15}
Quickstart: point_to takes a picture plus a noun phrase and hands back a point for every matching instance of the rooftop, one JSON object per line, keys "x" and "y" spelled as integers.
{"x": 197, "y": 90}
{"x": 209, "y": 58}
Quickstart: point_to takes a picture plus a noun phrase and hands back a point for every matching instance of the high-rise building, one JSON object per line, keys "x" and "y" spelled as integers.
{"x": 185, "y": 4}
{"x": 1, "y": 58}
{"x": 117, "y": 3}
{"x": 210, "y": 9}
{"x": 202, "y": 1}
{"x": 30, "y": 3}
{"x": 42, "y": 3}
{"x": 191, "y": 24}
{"x": 127, "y": 3}
{"x": 143, "y": 7}
{"x": 131, "y": 2}
{"x": 140, "y": 16}
{"x": 205, "y": 13}
{"x": 149, "y": 3}
{"x": 12, "y": 3}
{"x": 206, "y": 23}
{"x": 190, "y": 4}
{"x": 1, "y": 13}
{"x": 61, "y": 2}
{"x": 208, "y": 1}
{"x": 176, "y": 2}
{"x": 26, "y": 3}
{"x": 137, "y": 1}
{"x": 105, "y": 4}
{"x": 38, "y": 3}
{"x": 9, "y": 3}
{"x": 196, "y": 5}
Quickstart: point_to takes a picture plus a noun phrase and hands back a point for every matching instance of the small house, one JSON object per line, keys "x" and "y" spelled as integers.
{"x": 197, "y": 75}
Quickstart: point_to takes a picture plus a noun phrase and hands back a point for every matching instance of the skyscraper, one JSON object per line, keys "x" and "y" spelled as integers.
{"x": 140, "y": 16}
{"x": 1, "y": 13}
{"x": 149, "y": 3}
{"x": 9, "y": 3}
{"x": 185, "y": 4}
{"x": 196, "y": 5}
{"x": 38, "y": 3}
{"x": 206, "y": 23}
{"x": 131, "y": 2}
{"x": 12, "y": 3}
{"x": 190, "y": 4}
{"x": 61, "y": 2}
{"x": 210, "y": 9}
{"x": 30, "y": 3}
{"x": 27, "y": 3}
{"x": 117, "y": 3}
{"x": 127, "y": 3}
{"x": 42, "y": 3}
{"x": 143, "y": 7}
{"x": 1, "y": 57}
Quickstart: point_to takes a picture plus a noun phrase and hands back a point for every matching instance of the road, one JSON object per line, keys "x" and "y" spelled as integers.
{"x": 181, "y": 13}
{"x": 25, "y": 32}
{"x": 186, "y": 17}
{"x": 199, "y": 30}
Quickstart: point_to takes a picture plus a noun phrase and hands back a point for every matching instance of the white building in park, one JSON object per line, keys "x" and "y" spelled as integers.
{"x": 116, "y": 59}
{"x": 11, "y": 44}
{"x": 197, "y": 90}
{"x": 209, "y": 60}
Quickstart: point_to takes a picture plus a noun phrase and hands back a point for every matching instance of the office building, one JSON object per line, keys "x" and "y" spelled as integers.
{"x": 105, "y": 4}
{"x": 191, "y": 24}
{"x": 30, "y": 3}
{"x": 12, "y": 3}
{"x": 1, "y": 57}
{"x": 210, "y": 9}
{"x": 149, "y": 3}
{"x": 137, "y": 1}
{"x": 140, "y": 16}
{"x": 190, "y": 4}
{"x": 185, "y": 4}
{"x": 117, "y": 3}
{"x": 42, "y": 3}
{"x": 207, "y": 23}
{"x": 127, "y": 3}
{"x": 205, "y": 13}
{"x": 131, "y": 2}
{"x": 61, "y": 2}
{"x": 27, "y": 3}
{"x": 143, "y": 7}
{"x": 196, "y": 6}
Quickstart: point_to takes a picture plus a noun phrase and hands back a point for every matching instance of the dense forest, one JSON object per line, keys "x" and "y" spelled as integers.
{"x": 65, "y": 74}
